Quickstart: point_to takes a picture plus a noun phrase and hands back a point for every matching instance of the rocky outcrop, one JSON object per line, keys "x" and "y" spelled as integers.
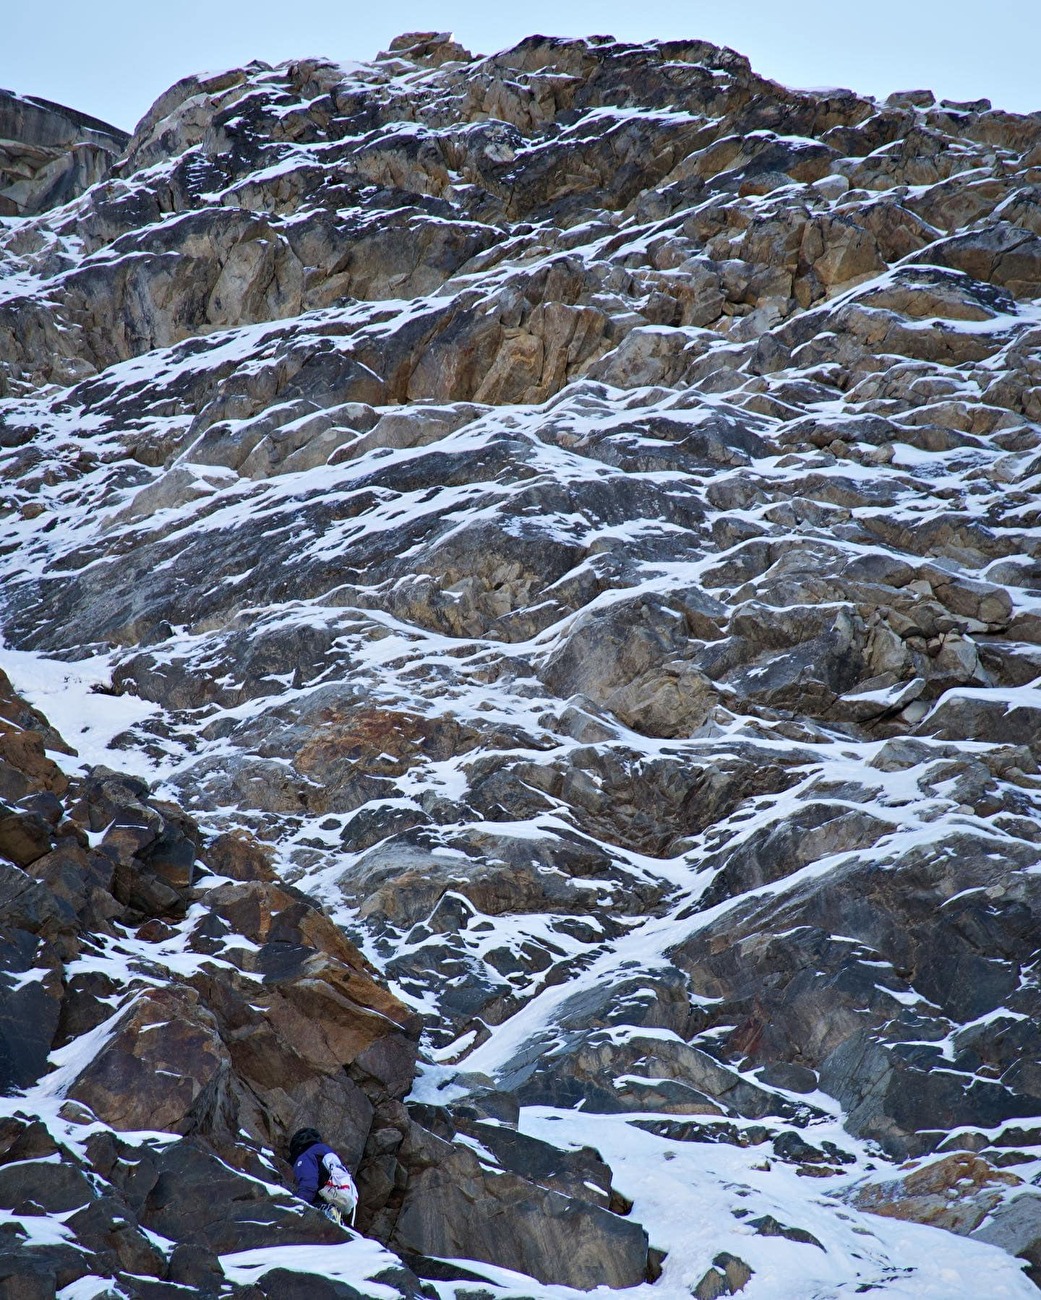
{"x": 50, "y": 154}
{"x": 573, "y": 514}
{"x": 511, "y": 1200}
{"x": 222, "y": 1011}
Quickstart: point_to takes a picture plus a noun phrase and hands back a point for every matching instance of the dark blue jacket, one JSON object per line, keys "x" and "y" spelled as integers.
{"x": 310, "y": 1173}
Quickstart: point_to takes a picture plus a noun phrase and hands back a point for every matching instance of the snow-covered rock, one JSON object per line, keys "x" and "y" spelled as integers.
{"x": 573, "y": 513}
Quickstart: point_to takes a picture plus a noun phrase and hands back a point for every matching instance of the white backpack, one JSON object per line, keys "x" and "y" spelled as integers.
{"x": 339, "y": 1190}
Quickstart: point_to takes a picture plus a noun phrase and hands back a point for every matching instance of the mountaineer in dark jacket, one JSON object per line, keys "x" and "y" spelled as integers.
{"x": 322, "y": 1179}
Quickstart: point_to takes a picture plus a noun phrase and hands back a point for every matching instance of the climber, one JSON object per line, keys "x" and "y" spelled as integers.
{"x": 322, "y": 1179}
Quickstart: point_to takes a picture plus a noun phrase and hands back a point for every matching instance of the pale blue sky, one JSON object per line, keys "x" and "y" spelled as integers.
{"x": 112, "y": 58}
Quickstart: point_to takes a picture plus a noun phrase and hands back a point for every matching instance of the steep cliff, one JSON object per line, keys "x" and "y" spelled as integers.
{"x": 576, "y": 511}
{"x": 50, "y": 154}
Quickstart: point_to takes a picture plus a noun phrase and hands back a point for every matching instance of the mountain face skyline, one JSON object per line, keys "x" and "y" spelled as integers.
{"x": 521, "y": 614}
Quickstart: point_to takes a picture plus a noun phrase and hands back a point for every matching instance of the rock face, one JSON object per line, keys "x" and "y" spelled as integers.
{"x": 198, "y": 1020}
{"x": 461, "y": 1204}
{"x": 574, "y": 514}
{"x": 50, "y": 154}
